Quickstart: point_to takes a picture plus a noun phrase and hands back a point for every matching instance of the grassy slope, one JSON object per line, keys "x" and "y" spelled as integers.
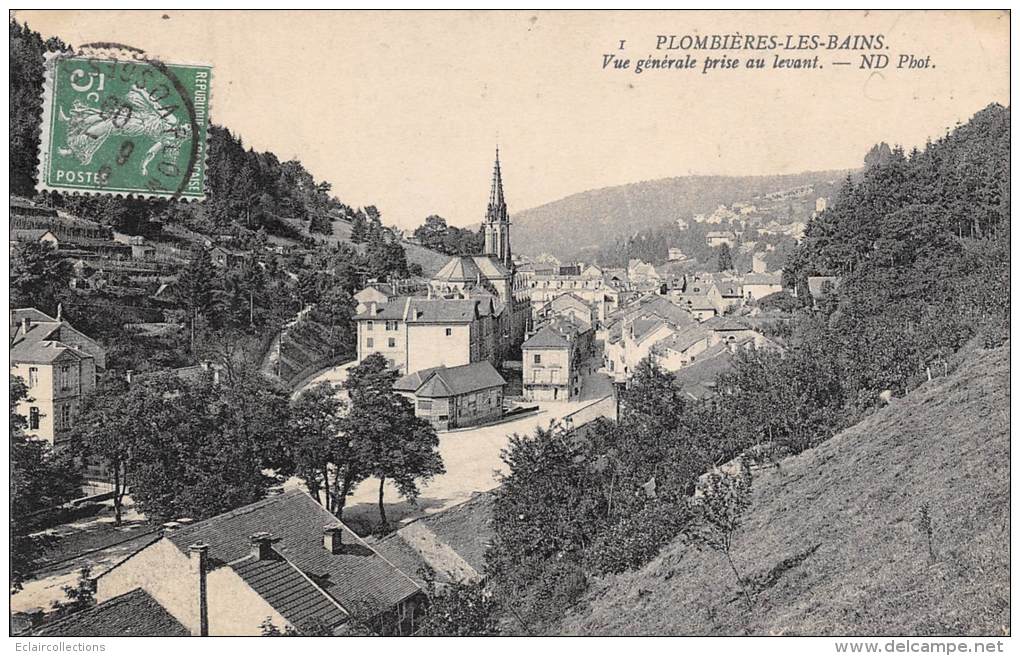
{"x": 858, "y": 498}
{"x": 431, "y": 261}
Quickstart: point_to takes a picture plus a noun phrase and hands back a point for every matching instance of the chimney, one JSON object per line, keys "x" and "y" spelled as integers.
{"x": 198, "y": 554}
{"x": 60, "y": 311}
{"x": 332, "y": 538}
{"x": 262, "y": 546}
{"x": 128, "y": 374}
{"x": 26, "y": 323}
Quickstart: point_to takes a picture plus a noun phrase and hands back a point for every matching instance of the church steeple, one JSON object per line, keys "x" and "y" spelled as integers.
{"x": 497, "y": 219}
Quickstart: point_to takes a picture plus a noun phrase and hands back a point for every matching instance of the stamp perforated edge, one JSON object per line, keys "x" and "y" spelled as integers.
{"x": 115, "y": 52}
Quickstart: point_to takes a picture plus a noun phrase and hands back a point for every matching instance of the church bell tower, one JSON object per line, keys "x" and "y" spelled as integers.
{"x": 497, "y": 220}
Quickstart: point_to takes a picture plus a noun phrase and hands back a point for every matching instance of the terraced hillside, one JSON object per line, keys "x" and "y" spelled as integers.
{"x": 835, "y": 539}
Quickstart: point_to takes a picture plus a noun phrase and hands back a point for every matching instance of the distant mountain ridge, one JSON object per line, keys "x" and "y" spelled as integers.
{"x": 590, "y": 219}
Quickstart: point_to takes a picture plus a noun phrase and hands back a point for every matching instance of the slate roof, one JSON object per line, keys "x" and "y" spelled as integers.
{"x": 41, "y": 344}
{"x": 763, "y": 278}
{"x": 444, "y": 310}
{"x": 414, "y": 309}
{"x": 459, "y": 269}
{"x": 286, "y": 589}
{"x": 641, "y": 328}
{"x": 683, "y": 339}
{"x": 571, "y": 299}
{"x": 546, "y": 337}
{"x": 725, "y": 323}
{"x": 452, "y": 543}
{"x": 133, "y": 613}
{"x": 27, "y": 234}
{"x": 358, "y": 577}
{"x": 698, "y": 378}
{"x": 445, "y": 382}
{"x": 413, "y": 380}
{"x": 699, "y": 302}
{"x": 491, "y": 267}
{"x": 662, "y": 307}
{"x": 394, "y": 309}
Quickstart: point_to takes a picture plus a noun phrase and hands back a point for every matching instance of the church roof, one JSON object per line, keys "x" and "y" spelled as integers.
{"x": 459, "y": 269}
{"x": 491, "y": 267}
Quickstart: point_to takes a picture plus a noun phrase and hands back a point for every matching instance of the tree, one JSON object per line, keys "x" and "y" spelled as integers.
{"x": 719, "y": 505}
{"x": 359, "y": 229}
{"x": 204, "y": 449}
{"x": 396, "y": 444}
{"x": 432, "y": 233}
{"x": 725, "y": 259}
{"x": 26, "y": 83}
{"x": 326, "y": 456}
{"x": 196, "y": 289}
{"x": 40, "y": 277}
{"x": 42, "y": 480}
{"x": 461, "y": 609}
{"x": 321, "y": 224}
{"x": 80, "y": 596}
{"x": 104, "y": 431}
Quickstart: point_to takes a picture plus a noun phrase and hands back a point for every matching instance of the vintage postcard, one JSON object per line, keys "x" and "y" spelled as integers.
{"x": 511, "y": 323}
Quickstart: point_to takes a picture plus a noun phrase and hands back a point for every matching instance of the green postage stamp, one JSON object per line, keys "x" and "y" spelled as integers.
{"x": 121, "y": 123}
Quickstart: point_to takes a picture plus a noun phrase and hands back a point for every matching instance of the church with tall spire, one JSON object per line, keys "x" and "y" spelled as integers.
{"x": 497, "y": 220}
{"x": 491, "y": 275}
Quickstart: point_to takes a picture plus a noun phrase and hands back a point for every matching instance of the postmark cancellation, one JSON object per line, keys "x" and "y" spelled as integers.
{"x": 118, "y": 122}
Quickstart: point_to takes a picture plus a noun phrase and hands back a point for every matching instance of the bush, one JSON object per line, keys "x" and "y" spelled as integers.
{"x": 636, "y": 539}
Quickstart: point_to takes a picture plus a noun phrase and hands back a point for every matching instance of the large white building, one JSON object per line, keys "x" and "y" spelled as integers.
{"x": 477, "y": 306}
{"x": 58, "y": 365}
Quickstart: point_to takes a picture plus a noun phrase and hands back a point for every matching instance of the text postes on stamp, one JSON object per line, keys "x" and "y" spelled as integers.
{"x": 128, "y": 126}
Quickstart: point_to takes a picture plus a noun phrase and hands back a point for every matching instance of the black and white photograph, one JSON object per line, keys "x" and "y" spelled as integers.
{"x": 510, "y": 323}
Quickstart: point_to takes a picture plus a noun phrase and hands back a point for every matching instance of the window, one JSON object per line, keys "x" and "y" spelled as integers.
{"x": 369, "y": 342}
{"x": 33, "y": 418}
{"x": 65, "y": 377}
{"x": 391, "y": 325}
{"x": 369, "y": 325}
{"x": 65, "y": 415}
{"x": 538, "y": 359}
{"x": 391, "y": 342}
{"x": 33, "y": 376}
{"x": 424, "y": 405}
{"x": 449, "y": 331}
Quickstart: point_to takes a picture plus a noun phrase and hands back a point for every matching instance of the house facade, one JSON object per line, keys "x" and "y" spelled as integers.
{"x": 554, "y": 359}
{"x": 759, "y": 285}
{"x": 284, "y": 559}
{"x": 455, "y": 397}
{"x": 58, "y": 365}
{"x": 477, "y": 306}
{"x": 415, "y": 333}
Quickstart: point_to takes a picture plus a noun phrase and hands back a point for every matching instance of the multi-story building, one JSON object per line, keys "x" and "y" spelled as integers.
{"x": 415, "y": 333}
{"x": 455, "y": 397}
{"x": 477, "y": 307}
{"x": 284, "y": 559}
{"x": 590, "y": 283}
{"x": 58, "y": 365}
{"x": 554, "y": 360}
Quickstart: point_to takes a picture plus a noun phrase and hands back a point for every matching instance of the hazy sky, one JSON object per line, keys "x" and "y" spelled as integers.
{"x": 403, "y": 109}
